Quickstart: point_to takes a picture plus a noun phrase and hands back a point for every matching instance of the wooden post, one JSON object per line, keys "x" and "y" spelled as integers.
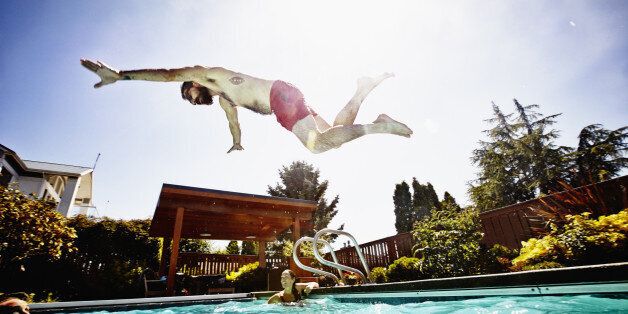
{"x": 296, "y": 232}
{"x": 261, "y": 248}
{"x": 165, "y": 247}
{"x": 296, "y": 235}
{"x": 176, "y": 237}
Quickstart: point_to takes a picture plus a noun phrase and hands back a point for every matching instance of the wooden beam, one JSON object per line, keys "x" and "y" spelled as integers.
{"x": 261, "y": 249}
{"x": 175, "y": 251}
{"x": 208, "y": 206}
{"x": 174, "y": 192}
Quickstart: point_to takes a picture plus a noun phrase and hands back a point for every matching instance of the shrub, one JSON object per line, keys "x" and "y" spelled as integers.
{"x": 351, "y": 279}
{"x": 249, "y": 277}
{"x": 30, "y": 227}
{"x": 448, "y": 242}
{"x": 497, "y": 259}
{"x": 378, "y": 275}
{"x": 404, "y": 269}
{"x": 579, "y": 241}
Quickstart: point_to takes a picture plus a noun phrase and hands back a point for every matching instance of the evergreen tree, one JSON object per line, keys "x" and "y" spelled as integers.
{"x": 600, "y": 154}
{"x": 496, "y": 184}
{"x": 249, "y": 248}
{"x": 300, "y": 180}
{"x": 449, "y": 202}
{"x": 424, "y": 200}
{"x": 233, "y": 247}
{"x": 520, "y": 160}
{"x": 539, "y": 160}
{"x": 404, "y": 211}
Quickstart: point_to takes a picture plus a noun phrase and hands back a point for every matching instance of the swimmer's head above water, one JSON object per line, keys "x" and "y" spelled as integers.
{"x": 292, "y": 291}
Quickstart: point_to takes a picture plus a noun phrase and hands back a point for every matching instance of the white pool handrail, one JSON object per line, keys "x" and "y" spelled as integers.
{"x": 295, "y": 257}
{"x": 340, "y": 266}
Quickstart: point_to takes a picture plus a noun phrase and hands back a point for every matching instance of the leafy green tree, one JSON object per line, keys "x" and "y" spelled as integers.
{"x": 196, "y": 245}
{"x": 448, "y": 243}
{"x": 404, "y": 211}
{"x": 300, "y": 180}
{"x": 600, "y": 154}
{"x": 31, "y": 227}
{"x": 233, "y": 247}
{"x": 519, "y": 161}
{"x": 249, "y": 248}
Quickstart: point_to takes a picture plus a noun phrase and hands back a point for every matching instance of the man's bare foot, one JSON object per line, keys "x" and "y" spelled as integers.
{"x": 366, "y": 84}
{"x": 395, "y": 126}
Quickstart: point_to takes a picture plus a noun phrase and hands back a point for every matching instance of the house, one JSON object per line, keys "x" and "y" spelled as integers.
{"x": 69, "y": 186}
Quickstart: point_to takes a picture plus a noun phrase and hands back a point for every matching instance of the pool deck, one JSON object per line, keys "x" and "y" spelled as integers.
{"x": 605, "y": 279}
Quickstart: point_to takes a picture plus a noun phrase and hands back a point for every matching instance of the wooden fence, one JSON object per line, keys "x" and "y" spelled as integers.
{"x": 380, "y": 252}
{"x": 512, "y": 224}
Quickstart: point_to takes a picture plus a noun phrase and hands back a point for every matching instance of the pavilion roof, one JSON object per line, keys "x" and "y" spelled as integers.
{"x": 224, "y": 215}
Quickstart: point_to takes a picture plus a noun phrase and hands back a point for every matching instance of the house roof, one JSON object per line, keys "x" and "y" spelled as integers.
{"x": 31, "y": 166}
{"x": 224, "y": 215}
{"x": 48, "y": 167}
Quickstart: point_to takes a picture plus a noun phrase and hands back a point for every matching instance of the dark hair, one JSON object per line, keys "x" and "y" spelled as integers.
{"x": 205, "y": 96}
{"x": 295, "y": 292}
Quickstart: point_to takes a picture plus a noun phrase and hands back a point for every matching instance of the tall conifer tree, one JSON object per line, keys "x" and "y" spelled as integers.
{"x": 404, "y": 211}
{"x": 300, "y": 180}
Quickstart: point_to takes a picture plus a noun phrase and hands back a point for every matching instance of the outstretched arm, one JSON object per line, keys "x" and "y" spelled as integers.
{"x": 109, "y": 75}
{"x": 234, "y": 125}
{"x": 307, "y": 287}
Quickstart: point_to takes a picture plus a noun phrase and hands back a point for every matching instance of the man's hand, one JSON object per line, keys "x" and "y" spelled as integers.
{"x": 107, "y": 74}
{"x": 235, "y": 147}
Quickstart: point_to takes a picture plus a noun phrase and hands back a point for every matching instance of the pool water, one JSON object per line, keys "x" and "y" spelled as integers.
{"x": 549, "y": 304}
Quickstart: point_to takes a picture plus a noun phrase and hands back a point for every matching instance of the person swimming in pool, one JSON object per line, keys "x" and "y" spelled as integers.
{"x": 292, "y": 291}
{"x": 201, "y": 84}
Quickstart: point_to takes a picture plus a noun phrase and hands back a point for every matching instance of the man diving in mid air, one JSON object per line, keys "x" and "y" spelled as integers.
{"x": 201, "y": 84}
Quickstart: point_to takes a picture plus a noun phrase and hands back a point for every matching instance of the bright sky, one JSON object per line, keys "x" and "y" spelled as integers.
{"x": 450, "y": 59}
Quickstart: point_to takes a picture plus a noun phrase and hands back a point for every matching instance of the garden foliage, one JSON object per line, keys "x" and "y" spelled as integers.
{"x": 378, "y": 275}
{"x": 71, "y": 259}
{"x": 30, "y": 228}
{"x": 580, "y": 241}
{"x": 404, "y": 269}
{"x": 448, "y": 243}
{"x": 249, "y": 277}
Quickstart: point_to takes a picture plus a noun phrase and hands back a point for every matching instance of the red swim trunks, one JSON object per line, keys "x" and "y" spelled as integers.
{"x": 288, "y": 104}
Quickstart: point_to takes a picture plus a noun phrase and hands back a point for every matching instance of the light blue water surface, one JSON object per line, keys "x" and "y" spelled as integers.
{"x": 550, "y": 304}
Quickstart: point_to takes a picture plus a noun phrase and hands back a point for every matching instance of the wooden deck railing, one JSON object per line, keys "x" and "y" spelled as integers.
{"x": 211, "y": 264}
{"x": 378, "y": 253}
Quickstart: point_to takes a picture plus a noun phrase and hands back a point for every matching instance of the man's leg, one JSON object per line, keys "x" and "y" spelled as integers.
{"x": 318, "y": 141}
{"x": 347, "y": 115}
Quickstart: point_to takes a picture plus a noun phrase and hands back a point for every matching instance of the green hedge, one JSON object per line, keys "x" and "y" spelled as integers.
{"x": 404, "y": 269}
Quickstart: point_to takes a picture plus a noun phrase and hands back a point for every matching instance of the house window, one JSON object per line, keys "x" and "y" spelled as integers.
{"x": 5, "y": 177}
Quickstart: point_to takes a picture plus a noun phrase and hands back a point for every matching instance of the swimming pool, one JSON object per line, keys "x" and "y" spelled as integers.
{"x": 581, "y": 289}
{"x": 550, "y": 304}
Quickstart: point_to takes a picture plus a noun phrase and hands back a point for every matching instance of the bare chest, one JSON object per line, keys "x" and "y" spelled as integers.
{"x": 252, "y": 94}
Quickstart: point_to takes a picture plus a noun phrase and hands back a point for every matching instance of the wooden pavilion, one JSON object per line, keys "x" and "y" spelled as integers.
{"x": 197, "y": 213}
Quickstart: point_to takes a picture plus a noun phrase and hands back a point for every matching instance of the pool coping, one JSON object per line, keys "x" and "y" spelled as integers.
{"x": 589, "y": 274}
{"x": 590, "y": 279}
{"x": 136, "y": 303}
